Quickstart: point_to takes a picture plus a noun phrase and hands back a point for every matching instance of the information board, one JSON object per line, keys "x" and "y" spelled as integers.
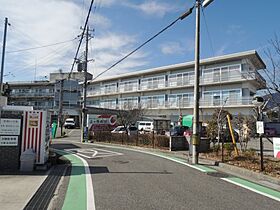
{"x": 9, "y": 126}
{"x": 276, "y": 147}
{"x": 8, "y": 140}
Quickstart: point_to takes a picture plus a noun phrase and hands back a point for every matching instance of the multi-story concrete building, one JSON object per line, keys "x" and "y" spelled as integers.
{"x": 45, "y": 95}
{"x": 228, "y": 81}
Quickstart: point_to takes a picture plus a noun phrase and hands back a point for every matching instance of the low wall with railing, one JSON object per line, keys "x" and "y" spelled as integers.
{"x": 145, "y": 140}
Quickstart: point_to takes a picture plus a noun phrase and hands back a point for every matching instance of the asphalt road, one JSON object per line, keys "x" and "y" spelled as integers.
{"x": 131, "y": 180}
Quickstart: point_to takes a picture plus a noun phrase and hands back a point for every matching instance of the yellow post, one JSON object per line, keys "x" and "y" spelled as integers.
{"x": 232, "y": 135}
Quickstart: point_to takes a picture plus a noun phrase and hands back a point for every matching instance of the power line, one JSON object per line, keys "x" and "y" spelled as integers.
{"x": 43, "y": 46}
{"x": 27, "y": 36}
{"x": 207, "y": 29}
{"x": 82, "y": 36}
{"x": 43, "y": 60}
{"x": 146, "y": 42}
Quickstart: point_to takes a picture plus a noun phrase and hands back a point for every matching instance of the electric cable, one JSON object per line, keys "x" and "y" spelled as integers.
{"x": 43, "y": 46}
{"x": 46, "y": 58}
{"x": 183, "y": 16}
{"x": 208, "y": 33}
{"x": 82, "y": 36}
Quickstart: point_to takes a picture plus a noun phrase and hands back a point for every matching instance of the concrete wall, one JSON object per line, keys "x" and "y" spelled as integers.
{"x": 9, "y": 158}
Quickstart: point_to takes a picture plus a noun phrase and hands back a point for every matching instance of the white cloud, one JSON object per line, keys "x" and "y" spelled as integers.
{"x": 111, "y": 47}
{"x": 169, "y": 48}
{"x": 107, "y": 3}
{"x": 221, "y": 50}
{"x": 39, "y": 22}
{"x": 172, "y": 48}
{"x": 112, "y": 41}
{"x": 155, "y": 8}
{"x": 35, "y": 23}
{"x": 99, "y": 21}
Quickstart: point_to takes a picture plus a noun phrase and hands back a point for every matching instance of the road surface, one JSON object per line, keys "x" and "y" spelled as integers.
{"x": 124, "y": 179}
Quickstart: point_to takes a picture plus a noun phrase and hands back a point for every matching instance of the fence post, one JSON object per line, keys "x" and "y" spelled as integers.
{"x": 137, "y": 138}
{"x": 154, "y": 139}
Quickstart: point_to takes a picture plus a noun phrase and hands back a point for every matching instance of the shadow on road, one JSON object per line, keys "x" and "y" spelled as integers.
{"x": 63, "y": 146}
{"x": 78, "y": 170}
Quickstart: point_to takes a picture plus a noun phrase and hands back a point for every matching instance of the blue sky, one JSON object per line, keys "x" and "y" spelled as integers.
{"x": 120, "y": 26}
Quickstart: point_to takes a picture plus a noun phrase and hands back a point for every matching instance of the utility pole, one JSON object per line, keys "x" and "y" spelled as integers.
{"x": 60, "y": 121}
{"x": 84, "y": 131}
{"x": 195, "y": 136}
{"x": 3, "y": 55}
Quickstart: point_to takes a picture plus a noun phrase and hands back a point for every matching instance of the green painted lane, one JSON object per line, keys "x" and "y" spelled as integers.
{"x": 76, "y": 195}
{"x": 254, "y": 187}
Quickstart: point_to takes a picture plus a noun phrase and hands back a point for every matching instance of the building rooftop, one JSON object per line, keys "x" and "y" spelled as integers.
{"x": 252, "y": 55}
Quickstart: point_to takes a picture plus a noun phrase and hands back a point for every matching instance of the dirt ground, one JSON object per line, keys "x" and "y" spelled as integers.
{"x": 248, "y": 160}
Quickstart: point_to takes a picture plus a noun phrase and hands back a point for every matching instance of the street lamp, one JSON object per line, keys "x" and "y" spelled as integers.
{"x": 195, "y": 136}
{"x": 205, "y": 3}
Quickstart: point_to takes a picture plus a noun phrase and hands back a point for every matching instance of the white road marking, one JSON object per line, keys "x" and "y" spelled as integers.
{"x": 94, "y": 153}
{"x": 252, "y": 189}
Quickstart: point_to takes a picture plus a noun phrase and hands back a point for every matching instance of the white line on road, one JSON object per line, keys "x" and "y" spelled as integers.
{"x": 252, "y": 189}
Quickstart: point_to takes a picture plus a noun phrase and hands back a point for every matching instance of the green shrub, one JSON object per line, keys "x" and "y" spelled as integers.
{"x": 229, "y": 147}
{"x": 216, "y": 148}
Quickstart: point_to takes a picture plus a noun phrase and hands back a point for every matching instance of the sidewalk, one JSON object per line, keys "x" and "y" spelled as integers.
{"x": 17, "y": 189}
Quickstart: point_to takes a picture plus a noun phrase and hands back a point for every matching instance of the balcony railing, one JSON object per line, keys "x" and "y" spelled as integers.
{"x": 187, "y": 104}
{"x": 204, "y": 80}
{"x": 32, "y": 94}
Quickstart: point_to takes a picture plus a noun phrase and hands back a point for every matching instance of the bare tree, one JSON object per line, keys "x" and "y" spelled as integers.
{"x": 246, "y": 127}
{"x": 217, "y": 124}
{"x": 273, "y": 73}
{"x": 129, "y": 114}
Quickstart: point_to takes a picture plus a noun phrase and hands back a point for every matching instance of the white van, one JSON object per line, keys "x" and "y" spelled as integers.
{"x": 145, "y": 126}
{"x": 69, "y": 123}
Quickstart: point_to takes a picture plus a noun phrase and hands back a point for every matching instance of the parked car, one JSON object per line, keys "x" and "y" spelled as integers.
{"x": 177, "y": 130}
{"x": 132, "y": 130}
{"x": 69, "y": 123}
{"x": 145, "y": 126}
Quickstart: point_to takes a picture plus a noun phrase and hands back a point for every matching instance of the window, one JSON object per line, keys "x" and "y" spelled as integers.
{"x": 225, "y": 73}
{"x": 93, "y": 90}
{"x": 181, "y": 79}
{"x": 235, "y": 71}
{"x": 128, "y": 103}
{"x": 153, "y": 101}
{"x": 172, "y": 80}
{"x": 153, "y": 83}
{"x": 128, "y": 86}
{"x": 180, "y": 100}
{"x": 109, "y": 104}
{"x": 108, "y": 88}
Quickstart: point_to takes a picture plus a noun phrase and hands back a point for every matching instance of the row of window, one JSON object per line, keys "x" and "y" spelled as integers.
{"x": 34, "y": 90}
{"x": 36, "y": 104}
{"x": 209, "y": 98}
{"x": 221, "y": 74}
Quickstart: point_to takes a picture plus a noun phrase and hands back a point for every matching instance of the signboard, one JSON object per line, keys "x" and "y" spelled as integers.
{"x": 101, "y": 122}
{"x": 8, "y": 140}
{"x": 9, "y": 126}
{"x": 276, "y": 147}
{"x": 33, "y": 119}
{"x": 260, "y": 127}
